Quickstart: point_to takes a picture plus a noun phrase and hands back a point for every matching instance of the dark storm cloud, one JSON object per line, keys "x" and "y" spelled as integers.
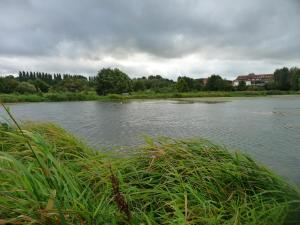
{"x": 94, "y": 30}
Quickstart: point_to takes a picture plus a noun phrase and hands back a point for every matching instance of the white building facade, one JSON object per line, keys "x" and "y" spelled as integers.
{"x": 254, "y": 80}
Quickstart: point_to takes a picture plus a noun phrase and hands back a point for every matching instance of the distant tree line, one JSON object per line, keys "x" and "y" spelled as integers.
{"x": 115, "y": 81}
{"x": 34, "y": 82}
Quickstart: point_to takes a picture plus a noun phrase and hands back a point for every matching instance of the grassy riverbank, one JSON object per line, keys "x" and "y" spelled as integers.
{"x": 50, "y": 177}
{"x": 87, "y": 96}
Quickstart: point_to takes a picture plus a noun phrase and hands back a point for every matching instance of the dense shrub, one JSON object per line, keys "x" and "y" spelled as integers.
{"x": 73, "y": 84}
{"x": 41, "y": 85}
{"x": 26, "y": 88}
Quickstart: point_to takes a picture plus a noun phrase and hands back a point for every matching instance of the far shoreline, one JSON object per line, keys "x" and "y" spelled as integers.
{"x": 92, "y": 96}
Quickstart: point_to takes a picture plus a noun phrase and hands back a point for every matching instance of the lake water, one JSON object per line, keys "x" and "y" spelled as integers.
{"x": 267, "y": 128}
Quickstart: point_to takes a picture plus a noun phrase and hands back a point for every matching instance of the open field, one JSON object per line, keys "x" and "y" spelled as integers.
{"x": 50, "y": 177}
{"x": 87, "y": 96}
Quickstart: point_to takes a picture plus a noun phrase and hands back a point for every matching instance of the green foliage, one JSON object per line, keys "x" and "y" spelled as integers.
{"x": 92, "y": 82}
{"x": 21, "y": 98}
{"x": 216, "y": 83}
{"x": 138, "y": 84}
{"x": 26, "y": 88}
{"x": 182, "y": 84}
{"x": 270, "y": 86}
{"x": 198, "y": 84}
{"x": 282, "y": 78}
{"x": 287, "y": 79}
{"x": 73, "y": 84}
{"x": 112, "y": 81}
{"x": 186, "y": 84}
{"x": 49, "y": 176}
{"x": 295, "y": 78}
{"x": 8, "y": 84}
{"x": 41, "y": 85}
{"x": 242, "y": 86}
{"x": 156, "y": 83}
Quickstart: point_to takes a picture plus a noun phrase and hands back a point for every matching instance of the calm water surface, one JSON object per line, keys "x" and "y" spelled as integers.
{"x": 266, "y": 128}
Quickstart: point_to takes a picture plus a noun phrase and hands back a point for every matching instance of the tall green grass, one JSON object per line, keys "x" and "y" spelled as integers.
{"x": 47, "y": 176}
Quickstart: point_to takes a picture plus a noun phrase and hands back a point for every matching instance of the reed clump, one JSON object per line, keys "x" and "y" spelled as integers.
{"x": 50, "y": 177}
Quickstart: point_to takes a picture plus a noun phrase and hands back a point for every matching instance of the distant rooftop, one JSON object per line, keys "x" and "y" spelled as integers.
{"x": 253, "y": 77}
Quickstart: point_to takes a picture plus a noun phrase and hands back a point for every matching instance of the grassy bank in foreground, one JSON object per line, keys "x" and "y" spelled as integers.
{"x": 50, "y": 177}
{"x": 87, "y": 96}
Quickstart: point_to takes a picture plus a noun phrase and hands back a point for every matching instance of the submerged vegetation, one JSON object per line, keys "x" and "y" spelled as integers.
{"x": 50, "y": 177}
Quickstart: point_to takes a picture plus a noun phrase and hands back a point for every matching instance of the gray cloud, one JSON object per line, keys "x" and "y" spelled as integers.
{"x": 171, "y": 36}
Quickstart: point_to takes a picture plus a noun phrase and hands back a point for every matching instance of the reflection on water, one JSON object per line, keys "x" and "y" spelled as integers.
{"x": 200, "y": 100}
{"x": 267, "y": 128}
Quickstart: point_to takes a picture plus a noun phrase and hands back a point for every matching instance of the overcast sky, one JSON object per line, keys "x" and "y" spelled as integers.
{"x": 142, "y": 37}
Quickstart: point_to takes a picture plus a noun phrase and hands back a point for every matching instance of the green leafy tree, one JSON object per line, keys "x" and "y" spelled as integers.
{"x": 112, "y": 81}
{"x": 92, "y": 82}
{"x": 26, "y": 88}
{"x": 295, "y": 78}
{"x": 41, "y": 85}
{"x": 185, "y": 84}
{"x": 8, "y": 84}
{"x": 157, "y": 83}
{"x": 282, "y": 79}
{"x": 138, "y": 84}
{"x": 182, "y": 85}
{"x": 198, "y": 84}
{"x": 215, "y": 83}
{"x": 242, "y": 86}
{"x": 73, "y": 84}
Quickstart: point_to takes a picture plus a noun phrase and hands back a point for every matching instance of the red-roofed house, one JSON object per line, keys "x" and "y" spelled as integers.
{"x": 254, "y": 80}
